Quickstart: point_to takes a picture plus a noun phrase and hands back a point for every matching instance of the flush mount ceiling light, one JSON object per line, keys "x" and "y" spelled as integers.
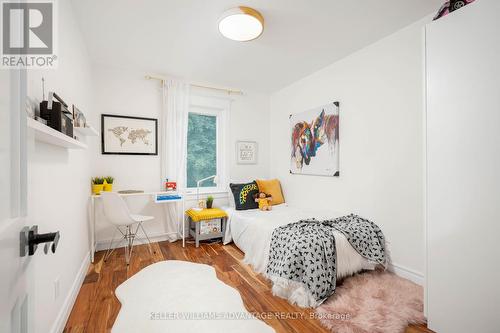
{"x": 241, "y": 24}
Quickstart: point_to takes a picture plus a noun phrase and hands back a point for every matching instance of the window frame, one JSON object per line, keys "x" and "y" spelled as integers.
{"x": 219, "y": 108}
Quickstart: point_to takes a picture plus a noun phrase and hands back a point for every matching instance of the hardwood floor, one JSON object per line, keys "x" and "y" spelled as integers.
{"x": 96, "y": 306}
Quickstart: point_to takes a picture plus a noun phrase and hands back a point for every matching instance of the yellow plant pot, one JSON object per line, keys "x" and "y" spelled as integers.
{"x": 108, "y": 187}
{"x": 97, "y": 188}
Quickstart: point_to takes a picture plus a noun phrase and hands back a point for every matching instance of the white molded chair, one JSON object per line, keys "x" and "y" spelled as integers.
{"x": 117, "y": 212}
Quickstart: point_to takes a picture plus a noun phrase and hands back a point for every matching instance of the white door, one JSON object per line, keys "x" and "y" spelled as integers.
{"x": 463, "y": 154}
{"x": 15, "y": 271}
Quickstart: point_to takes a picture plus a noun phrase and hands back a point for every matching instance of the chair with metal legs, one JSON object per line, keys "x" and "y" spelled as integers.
{"x": 117, "y": 212}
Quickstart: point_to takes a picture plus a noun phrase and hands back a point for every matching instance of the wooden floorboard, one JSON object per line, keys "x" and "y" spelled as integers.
{"x": 96, "y": 306}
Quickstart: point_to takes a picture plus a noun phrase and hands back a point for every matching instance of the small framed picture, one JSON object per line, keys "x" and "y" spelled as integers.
{"x": 78, "y": 118}
{"x": 246, "y": 152}
{"x": 124, "y": 135}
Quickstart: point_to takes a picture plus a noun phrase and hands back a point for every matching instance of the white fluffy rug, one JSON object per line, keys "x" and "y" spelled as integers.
{"x": 179, "y": 296}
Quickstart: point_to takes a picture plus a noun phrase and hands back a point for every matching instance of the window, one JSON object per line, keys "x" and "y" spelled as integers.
{"x": 205, "y": 143}
{"x": 201, "y": 149}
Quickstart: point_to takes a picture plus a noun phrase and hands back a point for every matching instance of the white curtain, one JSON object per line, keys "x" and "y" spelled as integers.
{"x": 174, "y": 127}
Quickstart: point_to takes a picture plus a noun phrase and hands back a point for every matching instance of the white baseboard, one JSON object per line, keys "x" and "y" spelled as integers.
{"x": 67, "y": 306}
{"x": 160, "y": 237}
{"x": 407, "y": 273}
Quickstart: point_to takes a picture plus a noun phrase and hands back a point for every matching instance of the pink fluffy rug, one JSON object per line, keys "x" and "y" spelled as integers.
{"x": 373, "y": 302}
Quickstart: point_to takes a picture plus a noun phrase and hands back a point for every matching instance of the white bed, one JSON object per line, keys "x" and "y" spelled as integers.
{"x": 251, "y": 231}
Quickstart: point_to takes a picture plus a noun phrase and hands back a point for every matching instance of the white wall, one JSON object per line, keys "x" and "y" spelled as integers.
{"x": 380, "y": 90}
{"x": 59, "y": 181}
{"x": 127, "y": 92}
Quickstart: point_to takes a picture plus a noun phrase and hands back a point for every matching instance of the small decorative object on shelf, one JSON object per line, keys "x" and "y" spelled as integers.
{"x": 55, "y": 112}
{"x": 78, "y": 118}
{"x": 201, "y": 204}
{"x": 170, "y": 186}
{"x": 97, "y": 185}
{"x": 210, "y": 201}
{"x": 108, "y": 184}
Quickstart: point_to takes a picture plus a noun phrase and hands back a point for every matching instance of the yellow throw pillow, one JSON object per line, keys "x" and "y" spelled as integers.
{"x": 272, "y": 187}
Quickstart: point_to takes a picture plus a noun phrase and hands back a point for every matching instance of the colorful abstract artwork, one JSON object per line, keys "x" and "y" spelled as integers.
{"x": 315, "y": 141}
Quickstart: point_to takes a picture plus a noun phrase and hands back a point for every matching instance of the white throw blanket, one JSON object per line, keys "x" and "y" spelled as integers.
{"x": 251, "y": 231}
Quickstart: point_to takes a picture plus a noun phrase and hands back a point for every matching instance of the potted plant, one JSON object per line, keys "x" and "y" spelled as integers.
{"x": 210, "y": 201}
{"x": 97, "y": 185}
{"x": 108, "y": 183}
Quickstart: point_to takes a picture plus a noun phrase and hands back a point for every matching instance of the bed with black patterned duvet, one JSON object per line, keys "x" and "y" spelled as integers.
{"x": 304, "y": 253}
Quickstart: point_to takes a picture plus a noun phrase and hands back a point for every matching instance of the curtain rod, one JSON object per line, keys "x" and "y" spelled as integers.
{"x": 229, "y": 91}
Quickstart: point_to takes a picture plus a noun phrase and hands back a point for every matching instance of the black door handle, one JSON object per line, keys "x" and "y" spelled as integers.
{"x": 30, "y": 238}
{"x": 54, "y": 240}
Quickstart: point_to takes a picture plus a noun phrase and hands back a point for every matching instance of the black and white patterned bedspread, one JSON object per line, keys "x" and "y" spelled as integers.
{"x": 305, "y": 251}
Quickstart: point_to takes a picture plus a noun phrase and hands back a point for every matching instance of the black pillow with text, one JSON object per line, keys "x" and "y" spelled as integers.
{"x": 244, "y": 195}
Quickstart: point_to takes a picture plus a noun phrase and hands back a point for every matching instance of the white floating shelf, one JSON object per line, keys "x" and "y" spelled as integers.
{"x": 44, "y": 133}
{"x": 86, "y": 131}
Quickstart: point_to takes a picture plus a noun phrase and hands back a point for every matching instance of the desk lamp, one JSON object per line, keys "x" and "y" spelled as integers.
{"x": 198, "y": 183}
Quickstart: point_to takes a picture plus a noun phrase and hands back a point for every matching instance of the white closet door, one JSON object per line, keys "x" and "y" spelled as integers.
{"x": 463, "y": 165}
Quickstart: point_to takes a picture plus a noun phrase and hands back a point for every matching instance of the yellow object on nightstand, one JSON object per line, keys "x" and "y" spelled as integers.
{"x": 205, "y": 214}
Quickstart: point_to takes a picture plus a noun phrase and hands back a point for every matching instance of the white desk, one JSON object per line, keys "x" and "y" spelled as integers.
{"x": 150, "y": 194}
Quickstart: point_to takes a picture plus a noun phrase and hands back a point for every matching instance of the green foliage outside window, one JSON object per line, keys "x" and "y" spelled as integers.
{"x": 201, "y": 149}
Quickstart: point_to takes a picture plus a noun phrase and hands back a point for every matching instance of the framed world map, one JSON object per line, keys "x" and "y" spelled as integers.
{"x": 125, "y": 135}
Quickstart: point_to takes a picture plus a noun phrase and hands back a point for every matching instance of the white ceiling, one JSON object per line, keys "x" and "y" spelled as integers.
{"x": 180, "y": 38}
